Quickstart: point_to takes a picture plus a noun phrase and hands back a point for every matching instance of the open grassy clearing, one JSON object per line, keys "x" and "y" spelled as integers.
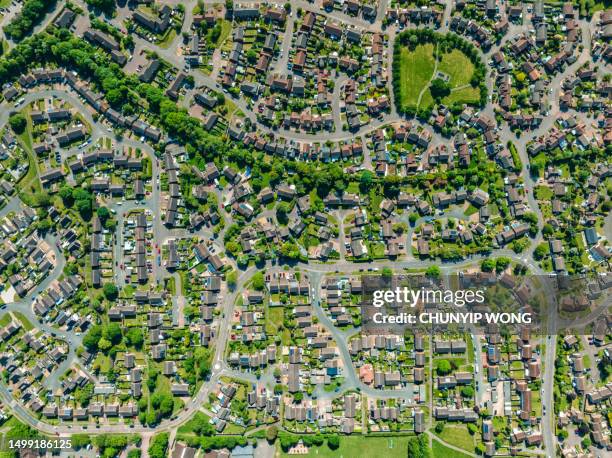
{"x": 464, "y": 95}
{"x": 457, "y": 66}
{"x": 458, "y": 436}
{"x": 416, "y": 69}
{"x": 353, "y": 446}
{"x": 440, "y": 449}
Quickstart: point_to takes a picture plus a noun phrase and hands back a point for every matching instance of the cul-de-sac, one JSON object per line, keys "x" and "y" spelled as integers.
{"x": 196, "y": 198}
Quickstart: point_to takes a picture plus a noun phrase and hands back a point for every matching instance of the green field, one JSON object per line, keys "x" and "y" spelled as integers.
{"x": 467, "y": 94}
{"x": 458, "y": 436}
{"x": 353, "y": 446}
{"x": 416, "y": 69}
{"x": 457, "y": 66}
{"x": 440, "y": 449}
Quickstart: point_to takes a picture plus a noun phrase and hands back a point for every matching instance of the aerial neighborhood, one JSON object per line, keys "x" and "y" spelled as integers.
{"x": 197, "y": 197}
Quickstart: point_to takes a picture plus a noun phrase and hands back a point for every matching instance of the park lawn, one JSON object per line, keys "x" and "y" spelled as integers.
{"x": 416, "y": 69}
{"x": 440, "y": 449}
{"x": 467, "y": 95}
{"x": 458, "y": 67}
{"x": 427, "y": 100}
{"x": 459, "y": 436}
{"x": 353, "y": 446}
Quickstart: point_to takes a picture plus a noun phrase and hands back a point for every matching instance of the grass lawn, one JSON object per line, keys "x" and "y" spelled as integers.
{"x": 103, "y": 362}
{"x": 440, "y": 449}
{"x": 464, "y": 95}
{"x": 456, "y": 65}
{"x": 543, "y": 193}
{"x": 416, "y": 69}
{"x": 188, "y": 427}
{"x": 29, "y": 183}
{"x": 167, "y": 40}
{"x": 471, "y": 210}
{"x": 427, "y": 100}
{"x": 274, "y": 320}
{"x": 458, "y": 436}
{"x": 24, "y": 321}
{"x": 226, "y": 28}
{"x": 5, "y": 319}
{"x": 352, "y": 446}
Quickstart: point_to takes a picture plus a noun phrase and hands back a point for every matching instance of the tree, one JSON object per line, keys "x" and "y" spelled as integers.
{"x": 103, "y": 213}
{"x": 586, "y": 443}
{"x": 104, "y": 345}
{"x": 232, "y": 279}
{"x": 297, "y": 397}
{"x": 258, "y": 281}
{"x": 333, "y": 441}
{"x": 467, "y": 392}
{"x": 91, "y": 339}
{"x": 112, "y": 333}
{"x": 134, "y": 453}
{"x": 365, "y": 180}
{"x": 282, "y": 210}
{"x": 158, "y": 446}
{"x": 443, "y": 366}
{"x": 271, "y": 434}
{"x": 387, "y": 272}
{"x": 65, "y": 193}
{"x": 487, "y": 265}
{"x": 18, "y": 123}
{"x": 502, "y": 263}
{"x": 433, "y": 271}
{"x": 232, "y": 247}
{"x": 439, "y": 88}
{"x": 134, "y": 337}
{"x": 32, "y": 12}
{"x": 251, "y": 56}
{"x": 418, "y": 447}
{"x": 110, "y": 291}
{"x": 80, "y": 440}
{"x": 41, "y": 199}
{"x": 108, "y": 6}
{"x": 540, "y": 251}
